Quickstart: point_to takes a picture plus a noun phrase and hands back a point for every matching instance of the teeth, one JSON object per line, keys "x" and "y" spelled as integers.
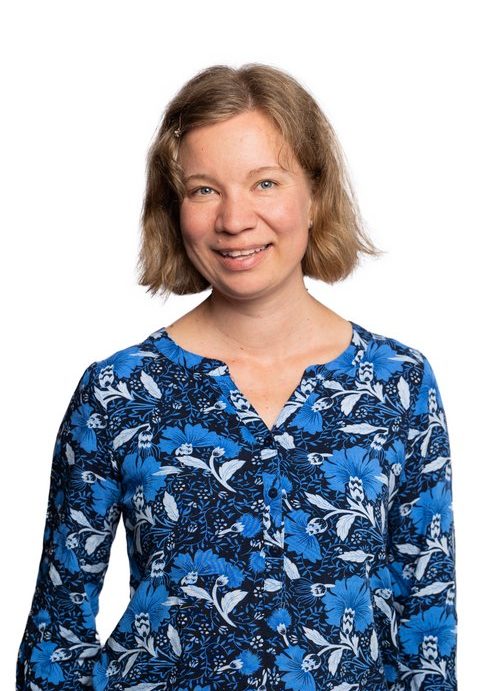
{"x": 243, "y": 253}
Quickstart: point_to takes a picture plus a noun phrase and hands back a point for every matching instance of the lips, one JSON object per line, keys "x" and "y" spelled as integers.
{"x": 244, "y": 262}
{"x": 242, "y": 251}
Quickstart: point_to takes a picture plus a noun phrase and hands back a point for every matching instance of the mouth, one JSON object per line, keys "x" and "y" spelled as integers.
{"x": 236, "y": 254}
{"x": 243, "y": 260}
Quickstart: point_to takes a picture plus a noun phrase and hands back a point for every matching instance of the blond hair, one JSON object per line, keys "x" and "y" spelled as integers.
{"x": 337, "y": 237}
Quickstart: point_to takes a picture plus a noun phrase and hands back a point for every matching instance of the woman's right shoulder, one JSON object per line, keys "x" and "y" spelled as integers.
{"x": 123, "y": 361}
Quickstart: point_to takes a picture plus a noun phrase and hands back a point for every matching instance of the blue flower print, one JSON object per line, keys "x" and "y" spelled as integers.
{"x": 315, "y": 554}
{"x": 355, "y": 471}
{"x": 307, "y": 417}
{"x": 122, "y": 364}
{"x": 390, "y": 673}
{"x": 257, "y": 562}
{"x": 249, "y": 662}
{"x": 433, "y": 510}
{"x": 141, "y": 477}
{"x": 247, "y": 525}
{"x": 187, "y": 569}
{"x": 46, "y": 662}
{"x": 429, "y": 398}
{"x": 105, "y": 494}
{"x": 88, "y": 605}
{"x": 92, "y": 591}
{"x": 300, "y": 538}
{"x": 279, "y": 618}
{"x": 182, "y": 442}
{"x": 307, "y": 592}
{"x": 433, "y": 629}
{"x": 66, "y": 542}
{"x": 345, "y": 363}
{"x": 246, "y": 663}
{"x": 348, "y": 604}
{"x": 298, "y": 669}
{"x": 380, "y": 579}
{"x": 233, "y": 575}
{"x": 59, "y": 499}
{"x": 278, "y": 483}
{"x": 395, "y": 455}
{"x": 384, "y": 360}
{"x": 278, "y": 621}
{"x": 400, "y": 579}
{"x": 82, "y": 478}
{"x": 215, "y": 462}
{"x": 172, "y": 350}
{"x": 100, "y": 677}
{"x": 41, "y": 619}
{"x": 146, "y": 610}
{"x": 84, "y": 424}
{"x": 246, "y": 436}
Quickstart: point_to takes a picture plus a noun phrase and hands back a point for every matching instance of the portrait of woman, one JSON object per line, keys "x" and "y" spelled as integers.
{"x": 282, "y": 473}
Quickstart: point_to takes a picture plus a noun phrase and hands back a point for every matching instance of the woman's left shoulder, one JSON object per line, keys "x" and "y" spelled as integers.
{"x": 388, "y": 345}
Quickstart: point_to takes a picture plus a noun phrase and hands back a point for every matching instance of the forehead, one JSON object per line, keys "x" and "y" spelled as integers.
{"x": 249, "y": 139}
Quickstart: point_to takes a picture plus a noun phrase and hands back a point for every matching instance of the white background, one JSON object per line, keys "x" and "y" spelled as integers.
{"x": 84, "y": 85}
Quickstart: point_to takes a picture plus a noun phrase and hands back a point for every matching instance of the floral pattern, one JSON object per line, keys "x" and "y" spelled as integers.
{"x": 318, "y": 554}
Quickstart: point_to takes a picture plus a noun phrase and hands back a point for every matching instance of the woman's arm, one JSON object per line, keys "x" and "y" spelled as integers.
{"x": 60, "y": 643}
{"x": 422, "y": 546}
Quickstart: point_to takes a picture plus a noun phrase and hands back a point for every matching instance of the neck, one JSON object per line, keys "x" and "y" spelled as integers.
{"x": 277, "y": 327}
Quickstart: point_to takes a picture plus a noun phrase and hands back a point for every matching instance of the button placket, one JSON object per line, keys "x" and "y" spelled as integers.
{"x": 273, "y": 534}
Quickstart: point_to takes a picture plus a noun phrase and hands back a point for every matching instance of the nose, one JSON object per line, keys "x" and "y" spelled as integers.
{"x": 236, "y": 213}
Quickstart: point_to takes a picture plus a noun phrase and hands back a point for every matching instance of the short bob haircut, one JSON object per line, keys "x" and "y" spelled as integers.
{"x": 337, "y": 236}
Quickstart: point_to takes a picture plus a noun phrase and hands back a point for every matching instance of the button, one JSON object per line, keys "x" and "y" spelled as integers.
{"x": 272, "y": 492}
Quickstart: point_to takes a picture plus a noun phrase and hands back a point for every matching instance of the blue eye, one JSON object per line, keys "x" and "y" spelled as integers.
{"x": 198, "y": 189}
{"x": 261, "y": 183}
{"x": 201, "y": 188}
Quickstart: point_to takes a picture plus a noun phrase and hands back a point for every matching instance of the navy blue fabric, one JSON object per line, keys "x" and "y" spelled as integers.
{"x": 316, "y": 555}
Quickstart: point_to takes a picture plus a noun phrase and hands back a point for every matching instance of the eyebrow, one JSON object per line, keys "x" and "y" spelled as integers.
{"x": 251, "y": 173}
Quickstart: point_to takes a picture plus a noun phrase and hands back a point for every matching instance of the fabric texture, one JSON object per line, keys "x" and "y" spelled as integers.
{"x": 315, "y": 555}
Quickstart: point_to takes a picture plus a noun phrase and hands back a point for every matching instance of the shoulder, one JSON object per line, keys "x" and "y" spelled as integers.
{"x": 380, "y": 342}
{"x": 124, "y": 361}
{"x": 388, "y": 354}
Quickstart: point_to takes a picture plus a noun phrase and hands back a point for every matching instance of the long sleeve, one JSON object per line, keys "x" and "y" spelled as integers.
{"x": 60, "y": 643}
{"x": 421, "y": 548}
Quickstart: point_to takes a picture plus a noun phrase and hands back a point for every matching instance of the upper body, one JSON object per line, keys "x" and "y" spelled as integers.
{"x": 283, "y": 473}
{"x": 282, "y": 558}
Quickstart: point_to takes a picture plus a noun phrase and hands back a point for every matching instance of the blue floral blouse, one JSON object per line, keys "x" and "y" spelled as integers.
{"x": 315, "y": 555}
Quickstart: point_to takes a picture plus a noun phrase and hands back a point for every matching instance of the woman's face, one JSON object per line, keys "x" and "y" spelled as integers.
{"x": 238, "y": 197}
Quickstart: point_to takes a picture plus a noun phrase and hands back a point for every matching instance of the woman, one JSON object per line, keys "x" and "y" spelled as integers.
{"x": 283, "y": 472}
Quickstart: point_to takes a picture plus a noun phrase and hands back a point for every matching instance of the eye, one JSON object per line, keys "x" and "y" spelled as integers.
{"x": 270, "y": 181}
{"x": 194, "y": 192}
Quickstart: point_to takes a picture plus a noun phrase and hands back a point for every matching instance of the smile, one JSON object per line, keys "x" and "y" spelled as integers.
{"x": 243, "y": 260}
{"x": 242, "y": 253}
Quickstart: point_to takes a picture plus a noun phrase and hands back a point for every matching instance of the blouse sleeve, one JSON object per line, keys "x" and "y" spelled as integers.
{"x": 422, "y": 547}
{"x": 60, "y": 643}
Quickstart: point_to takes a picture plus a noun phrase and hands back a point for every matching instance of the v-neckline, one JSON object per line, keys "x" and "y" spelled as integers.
{"x": 219, "y": 370}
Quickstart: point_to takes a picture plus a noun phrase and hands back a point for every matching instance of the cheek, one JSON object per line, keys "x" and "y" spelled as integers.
{"x": 289, "y": 215}
{"x": 290, "y": 226}
{"x": 194, "y": 224}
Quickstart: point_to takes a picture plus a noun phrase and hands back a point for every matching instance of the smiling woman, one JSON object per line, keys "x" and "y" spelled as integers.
{"x": 283, "y": 473}
{"x": 286, "y": 123}
{"x": 239, "y": 214}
